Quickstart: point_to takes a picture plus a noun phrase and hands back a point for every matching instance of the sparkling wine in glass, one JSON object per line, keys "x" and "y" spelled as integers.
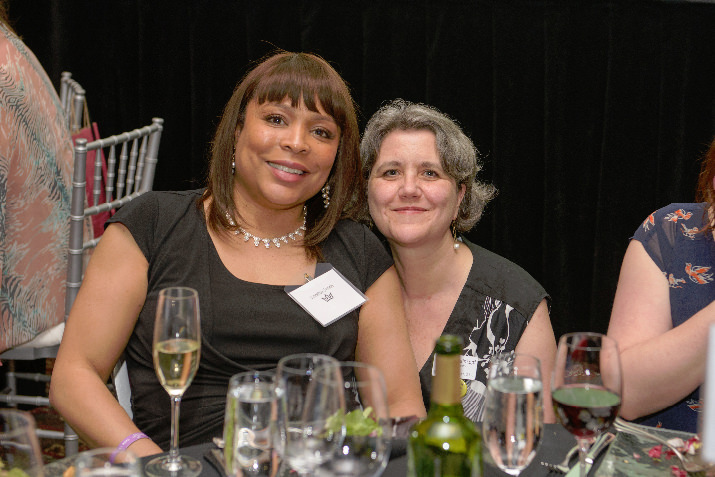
{"x": 19, "y": 447}
{"x": 586, "y": 387}
{"x": 514, "y": 415}
{"x": 176, "y": 350}
{"x": 310, "y": 411}
{"x": 368, "y": 431}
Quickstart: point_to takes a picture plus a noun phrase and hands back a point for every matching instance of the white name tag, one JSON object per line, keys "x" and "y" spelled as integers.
{"x": 327, "y": 297}
{"x": 468, "y": 367}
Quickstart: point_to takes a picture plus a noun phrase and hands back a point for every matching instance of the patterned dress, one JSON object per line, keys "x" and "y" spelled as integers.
{"x": 491, "y": 313}
{"x": 674, "y": 240}
{"x": 35, "y": 187}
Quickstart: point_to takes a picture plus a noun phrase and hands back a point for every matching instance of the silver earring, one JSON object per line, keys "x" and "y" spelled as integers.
{"x": 326, "y": 195}
{"x": 454, "y": 236}
{"x": 233, "y": 164}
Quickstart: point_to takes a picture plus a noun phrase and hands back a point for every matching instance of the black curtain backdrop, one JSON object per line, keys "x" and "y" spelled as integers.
{"x": 589, "y": 114}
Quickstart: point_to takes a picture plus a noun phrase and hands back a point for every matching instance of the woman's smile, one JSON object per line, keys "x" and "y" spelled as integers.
{"x": 283, "y": 168}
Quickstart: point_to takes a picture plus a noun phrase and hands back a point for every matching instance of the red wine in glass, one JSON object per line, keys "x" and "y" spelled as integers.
{"x": 586, "y": 387}
{"x": 585, "y": 411}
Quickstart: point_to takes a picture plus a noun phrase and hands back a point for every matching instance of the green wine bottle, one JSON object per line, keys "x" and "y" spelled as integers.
{"x": 445, "y": 443}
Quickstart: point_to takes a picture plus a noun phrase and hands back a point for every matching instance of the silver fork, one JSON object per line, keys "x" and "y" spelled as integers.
{"x": 562, "y": 466}
{"x": 598, "y": 445}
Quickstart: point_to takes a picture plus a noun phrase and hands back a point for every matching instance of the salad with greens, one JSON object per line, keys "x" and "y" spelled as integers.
{"x": 357, "y": 423}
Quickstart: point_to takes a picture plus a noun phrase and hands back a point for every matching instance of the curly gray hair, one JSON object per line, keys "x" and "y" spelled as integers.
{"x": 458, "y": 155}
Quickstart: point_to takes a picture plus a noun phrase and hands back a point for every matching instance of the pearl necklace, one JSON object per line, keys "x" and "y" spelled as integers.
{"x": 268, "y": 241}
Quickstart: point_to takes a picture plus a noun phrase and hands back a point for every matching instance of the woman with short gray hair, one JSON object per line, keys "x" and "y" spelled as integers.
{"x": 423, "y": 195}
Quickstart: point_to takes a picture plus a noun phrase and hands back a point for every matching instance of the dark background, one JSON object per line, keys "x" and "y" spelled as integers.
{"x": 589, "y": 114}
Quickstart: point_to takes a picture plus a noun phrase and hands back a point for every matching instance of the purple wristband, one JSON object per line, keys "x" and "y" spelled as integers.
{"x": 129, "y": 440}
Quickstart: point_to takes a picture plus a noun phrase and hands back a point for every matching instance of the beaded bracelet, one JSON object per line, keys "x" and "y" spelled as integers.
{"x": 129, "y": 440}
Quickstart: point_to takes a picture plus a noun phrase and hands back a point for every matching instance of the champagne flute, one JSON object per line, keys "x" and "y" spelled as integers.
{"x": 19, "y": 447}
{"x": 586, "y": 387}
{"x": 248, "y": 427}
{"x": 514, "y": 414}
{"x": 366, "y": 447}
{"x": 305, "y": 404}
{"x": 176, "y": 349}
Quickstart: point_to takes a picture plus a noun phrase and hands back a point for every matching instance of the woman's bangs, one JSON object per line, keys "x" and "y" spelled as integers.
{"x": 277, "y": 87}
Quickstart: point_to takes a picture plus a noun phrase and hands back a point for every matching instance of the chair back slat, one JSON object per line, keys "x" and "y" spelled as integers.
{"x": 111, "y": 175}
{"x": 140, "y": 164}
{"x": 98, "y": 178}
{"x": 131, "y": 170}
{"x": 122, "y": 173}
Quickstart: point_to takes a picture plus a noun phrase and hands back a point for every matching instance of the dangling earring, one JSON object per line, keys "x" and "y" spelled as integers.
{"x": 326, "y": 195}
{"x": 454, "y": 236}
{"x": 233, "y": 164}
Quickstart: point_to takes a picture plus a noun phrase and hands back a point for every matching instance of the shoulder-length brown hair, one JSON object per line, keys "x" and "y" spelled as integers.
{"x": 706, "y": 187}
{"x": 301, "y": 77}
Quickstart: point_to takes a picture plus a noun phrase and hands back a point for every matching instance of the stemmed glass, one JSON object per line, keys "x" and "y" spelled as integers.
{"x": 586, "y": 387}
{"x": 19, "y": 447}
{"x": 310, "y": 410}
{"x": 176, "y": 350}
{"x": 366, "y": 447}
{"x": 514, "y": 414}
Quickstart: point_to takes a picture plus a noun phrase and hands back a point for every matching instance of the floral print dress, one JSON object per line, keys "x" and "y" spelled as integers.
{"x": 674, "y": 239}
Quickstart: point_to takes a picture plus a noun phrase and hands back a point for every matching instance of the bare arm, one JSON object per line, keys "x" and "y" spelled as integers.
{"x": 100, "y": 323}
{"x": 661, "y": 364}
{"x": 383, "y": 342}
{"x": 538, "y": 340}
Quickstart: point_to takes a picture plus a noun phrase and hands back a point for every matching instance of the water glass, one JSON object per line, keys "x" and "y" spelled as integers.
{"x": 249, "y": 423}
{"x": 107, "y": 462}
{"x": 368, "y": 429}
{"x": 19, "y": 446}
{"x": 514, "y": 414}
{"x": 310, "y": 411}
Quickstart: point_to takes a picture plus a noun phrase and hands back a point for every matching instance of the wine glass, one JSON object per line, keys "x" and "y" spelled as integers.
{"x": 586, "y": 387}
{"x": 310, "y": 410}
{"x": 19, "y": 446}
{"x": 107, "y": 462}
{"x": 249, "y": 421}
{"x": 176, "y": 350}
{"x": 368, "y": 431}
{"x": 514, "y": 414}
